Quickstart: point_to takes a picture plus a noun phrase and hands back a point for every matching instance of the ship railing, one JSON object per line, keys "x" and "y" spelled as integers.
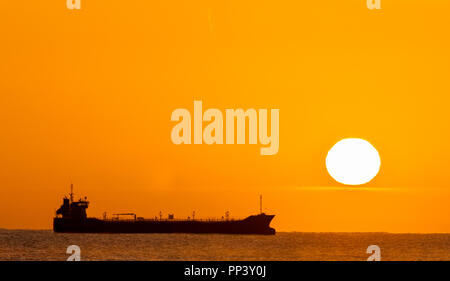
{"x": 172, "y": 220}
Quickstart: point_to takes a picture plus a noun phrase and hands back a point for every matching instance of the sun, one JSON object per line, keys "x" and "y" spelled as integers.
{"x": 353, "y": 161}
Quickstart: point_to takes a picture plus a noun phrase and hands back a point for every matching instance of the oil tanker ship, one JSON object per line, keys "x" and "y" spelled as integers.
{"x": 72, "y": 217}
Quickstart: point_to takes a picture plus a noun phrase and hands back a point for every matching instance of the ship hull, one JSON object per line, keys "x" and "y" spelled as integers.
{"x": 258, "y": 224}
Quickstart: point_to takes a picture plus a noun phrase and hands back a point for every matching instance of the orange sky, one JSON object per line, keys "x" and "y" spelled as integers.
{"x": 86, "y": 96}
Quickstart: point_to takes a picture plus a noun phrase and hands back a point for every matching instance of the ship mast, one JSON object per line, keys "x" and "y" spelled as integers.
{"x": 71, "y": 193}
{"x": 260, "y": 204}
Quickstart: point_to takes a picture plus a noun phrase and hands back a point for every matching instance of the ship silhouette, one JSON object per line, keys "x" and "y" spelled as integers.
{"x": 72, "y": 217}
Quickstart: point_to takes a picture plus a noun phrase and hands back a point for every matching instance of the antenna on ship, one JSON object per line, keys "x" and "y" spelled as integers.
{"x": 71, "y": 193}
{"x": 260, "y": 204}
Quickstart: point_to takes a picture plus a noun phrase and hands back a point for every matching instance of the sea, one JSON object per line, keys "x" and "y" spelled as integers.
{"x": 45, "y": 245}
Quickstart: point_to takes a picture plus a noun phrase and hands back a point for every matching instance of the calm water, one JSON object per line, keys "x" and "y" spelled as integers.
{"x": 46, "y": 245}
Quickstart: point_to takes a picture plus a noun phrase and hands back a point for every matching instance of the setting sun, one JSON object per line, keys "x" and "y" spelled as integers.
{"x": 353, "y": 161}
